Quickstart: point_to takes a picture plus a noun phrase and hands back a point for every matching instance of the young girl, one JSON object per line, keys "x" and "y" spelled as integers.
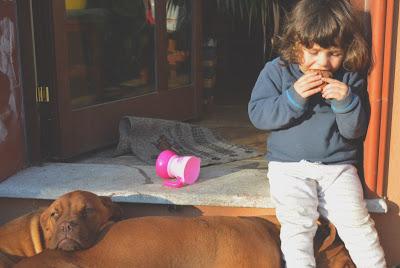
{"x": 316, "y": 130}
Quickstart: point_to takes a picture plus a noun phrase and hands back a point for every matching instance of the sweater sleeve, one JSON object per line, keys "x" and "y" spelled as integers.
{"x": 351, "y": 115}
{"x": 271, "y": 107}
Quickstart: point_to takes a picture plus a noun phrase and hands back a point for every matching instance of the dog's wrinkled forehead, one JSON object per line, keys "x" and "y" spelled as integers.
{"x": 76, "y": 201}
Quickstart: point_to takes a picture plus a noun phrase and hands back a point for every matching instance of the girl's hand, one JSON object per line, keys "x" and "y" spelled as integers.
{"x": 308, "y": 85}
{"x": 334, "y": 89}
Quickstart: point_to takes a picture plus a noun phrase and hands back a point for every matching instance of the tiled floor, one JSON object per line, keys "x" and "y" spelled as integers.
{"x": 233, "y": 123}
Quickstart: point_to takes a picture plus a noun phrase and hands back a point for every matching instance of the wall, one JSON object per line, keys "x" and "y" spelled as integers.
{"x": 12, "y": 146}
{"x": 389, "y": 225}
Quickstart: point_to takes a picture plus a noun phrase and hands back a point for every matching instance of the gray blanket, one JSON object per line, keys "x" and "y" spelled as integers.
{"x": 147, "y": 137}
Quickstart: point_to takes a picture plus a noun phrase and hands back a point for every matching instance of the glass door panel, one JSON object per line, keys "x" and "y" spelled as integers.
{"x": 109, "y": 58}
{"x": 110, "y": 50}
{"x": 179, "y": 36}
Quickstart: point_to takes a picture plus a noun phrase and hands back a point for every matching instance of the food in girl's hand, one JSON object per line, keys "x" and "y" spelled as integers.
{"x": 323, "y": 73}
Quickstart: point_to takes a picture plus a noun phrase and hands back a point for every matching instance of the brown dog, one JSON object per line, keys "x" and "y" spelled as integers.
{"x": 191, "y": 242}
{"x": 73, "y": 221}
{"x": 329, "y": 249}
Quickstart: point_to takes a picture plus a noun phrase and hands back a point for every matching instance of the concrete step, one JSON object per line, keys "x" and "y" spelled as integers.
{"x": 237, "y": 184}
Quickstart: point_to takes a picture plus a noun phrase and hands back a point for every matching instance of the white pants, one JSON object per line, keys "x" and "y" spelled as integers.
{"x": 303, "y": 190}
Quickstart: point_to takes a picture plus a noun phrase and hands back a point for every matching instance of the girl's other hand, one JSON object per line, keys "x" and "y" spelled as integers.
{"x": 308, "y": 85}
{"x": 334, "y": 89}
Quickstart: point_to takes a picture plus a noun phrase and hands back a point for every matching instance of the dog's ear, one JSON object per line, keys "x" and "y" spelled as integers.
{"x": 44, "y": 217}
{"x": 45, "y": 225}
{"x": 36, "y": 231}
{"x": 325, "y": 235}
{"x": 330, "y": 238}
{"x": 329, "y": 250}
{"x": 116, "y": 210}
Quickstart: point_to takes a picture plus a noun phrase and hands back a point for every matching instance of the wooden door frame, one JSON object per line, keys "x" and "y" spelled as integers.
{"x": 28, "y": 81}
{"x": 31, "y": 78}
{"x": 375, "y": 145}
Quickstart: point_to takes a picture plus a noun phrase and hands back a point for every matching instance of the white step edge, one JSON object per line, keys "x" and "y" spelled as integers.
{"x": 377, "y": 205}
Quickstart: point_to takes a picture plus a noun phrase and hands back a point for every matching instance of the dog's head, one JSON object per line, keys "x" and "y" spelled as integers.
{"x": 75, "y": 220}
{"x": 329, "y": 249}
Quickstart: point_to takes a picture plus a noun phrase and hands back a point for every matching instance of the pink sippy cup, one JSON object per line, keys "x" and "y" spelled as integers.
{"x": 185, "y": 169}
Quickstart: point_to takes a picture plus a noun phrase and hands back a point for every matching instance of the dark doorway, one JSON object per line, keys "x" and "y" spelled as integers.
{"x": 239, "y": 54}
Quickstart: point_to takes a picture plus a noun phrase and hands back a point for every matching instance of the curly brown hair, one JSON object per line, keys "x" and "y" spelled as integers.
{"x": 328, "y": 23}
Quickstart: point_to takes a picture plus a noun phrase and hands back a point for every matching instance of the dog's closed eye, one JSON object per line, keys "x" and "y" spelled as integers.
{"x": 87, "y": 211}
{"x": 55, "y": 214}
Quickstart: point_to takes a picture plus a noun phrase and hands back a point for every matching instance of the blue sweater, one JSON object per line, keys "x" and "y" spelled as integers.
{"x": 313, "y": 129}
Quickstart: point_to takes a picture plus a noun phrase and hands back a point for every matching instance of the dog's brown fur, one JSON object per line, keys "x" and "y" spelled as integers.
{"x": 192, "y": 242}
{"x": 329, "y": 248}
{"x": 62, "y": 225}
{"x": 149, "y": 241}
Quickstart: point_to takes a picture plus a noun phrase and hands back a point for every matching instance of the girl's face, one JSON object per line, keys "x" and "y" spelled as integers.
{"x": 316, "y": 57}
